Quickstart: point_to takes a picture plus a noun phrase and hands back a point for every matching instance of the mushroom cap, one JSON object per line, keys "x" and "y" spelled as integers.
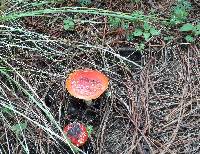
{"x": 77, "y": 133}
{"x": 86, "y": 84}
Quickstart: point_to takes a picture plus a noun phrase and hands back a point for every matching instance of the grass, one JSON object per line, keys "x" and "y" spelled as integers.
{"x": 153, "y": 66}
{"x": 81, "y": 10}
{"x": 34, "y": 99}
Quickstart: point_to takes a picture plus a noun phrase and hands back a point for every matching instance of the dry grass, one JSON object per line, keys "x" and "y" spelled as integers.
{"x": 151, "y": 106}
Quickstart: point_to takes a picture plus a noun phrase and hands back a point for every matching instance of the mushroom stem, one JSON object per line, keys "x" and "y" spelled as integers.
{"x": 88, "y": 102}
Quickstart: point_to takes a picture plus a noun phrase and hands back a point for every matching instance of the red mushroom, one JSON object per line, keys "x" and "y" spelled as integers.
{"x": 77, "y": 133}
{"x": 86, "y": 84}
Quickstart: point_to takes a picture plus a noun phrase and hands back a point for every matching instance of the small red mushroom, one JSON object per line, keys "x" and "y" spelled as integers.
{"x": 86, "y": 84}
{"x": 77, "y": 133}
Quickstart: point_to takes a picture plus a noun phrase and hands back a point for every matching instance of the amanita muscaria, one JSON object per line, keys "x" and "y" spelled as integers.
{"x": 87, "y": 84}
{"x": 77, "y": 133}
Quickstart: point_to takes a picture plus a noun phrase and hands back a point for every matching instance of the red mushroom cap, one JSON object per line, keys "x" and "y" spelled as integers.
{"x": 86, "y": 84}
{"x": 77, "y": 133}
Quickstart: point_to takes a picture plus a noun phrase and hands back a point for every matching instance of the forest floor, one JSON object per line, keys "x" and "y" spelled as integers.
{"x": 149, "y": 50}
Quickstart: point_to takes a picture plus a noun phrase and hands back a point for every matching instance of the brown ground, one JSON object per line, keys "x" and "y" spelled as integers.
{"x": 153, "y": 109}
